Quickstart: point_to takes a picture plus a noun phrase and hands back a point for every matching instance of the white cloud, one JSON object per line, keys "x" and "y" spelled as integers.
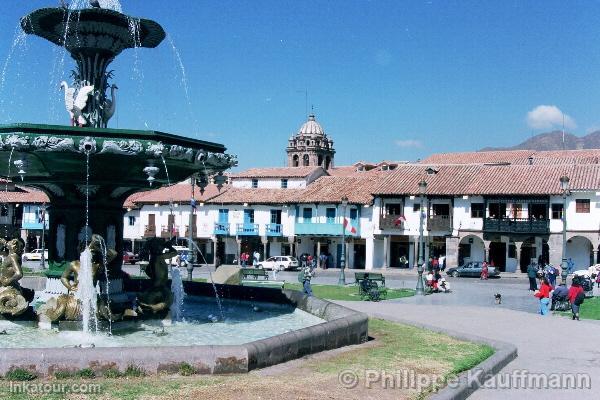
{"x": 548, "y": 117}
{"x": 409, "y": 143}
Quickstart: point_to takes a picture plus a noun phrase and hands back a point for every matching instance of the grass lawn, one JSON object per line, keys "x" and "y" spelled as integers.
{"x": 349, "y": 292}
{"x": 590, "y": 309}
{"x": 396, "y": 348}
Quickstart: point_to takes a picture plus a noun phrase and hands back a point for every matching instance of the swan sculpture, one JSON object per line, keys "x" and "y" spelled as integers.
{"x": 110, "y": 105}
{"x": 75, "y": 102}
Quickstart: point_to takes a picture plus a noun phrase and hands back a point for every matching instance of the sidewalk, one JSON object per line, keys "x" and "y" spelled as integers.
{"x": 545, "y": 344}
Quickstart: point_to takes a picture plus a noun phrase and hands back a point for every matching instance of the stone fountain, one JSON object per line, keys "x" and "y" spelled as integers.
{"x": 88, "y": 170}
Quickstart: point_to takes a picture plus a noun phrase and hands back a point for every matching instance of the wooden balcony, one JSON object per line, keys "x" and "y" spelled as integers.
{"x": 150, "y": 231}
{"x": 439, "y": 223}
{"x": 168, "y": 232}
{"x": 516, "y": 225}
{"x": 391, "y": 222}
{"x": 194, "y": 231}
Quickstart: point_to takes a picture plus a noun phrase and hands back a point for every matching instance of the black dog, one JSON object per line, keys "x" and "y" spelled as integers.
{"x": 498, "y": 298}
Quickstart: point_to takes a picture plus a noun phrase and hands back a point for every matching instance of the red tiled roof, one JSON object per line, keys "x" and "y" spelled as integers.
{"x": 282, "y": 172}
{"x": 23, "y": 195}
{"x": 473, "y": 179}
{"x": 586, "y": 156}
{"x": 331, "y": 189}
{"x": 257, "y": 196}
{"x": 180, "y": 193}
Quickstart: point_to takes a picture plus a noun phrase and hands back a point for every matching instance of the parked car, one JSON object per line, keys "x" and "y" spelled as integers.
{"x": 280, "y": 263}
{"x": 35, "y": 255}
{"x": 472, "y": 269}
{"x": 182, "y": 255}
{"x": 130, "y": 258}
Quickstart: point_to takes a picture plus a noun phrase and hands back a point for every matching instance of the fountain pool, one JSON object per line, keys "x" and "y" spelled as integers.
{"x": 241, "y": 325}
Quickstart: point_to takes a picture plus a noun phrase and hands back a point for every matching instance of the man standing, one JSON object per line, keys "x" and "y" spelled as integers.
{"x": 256, "y": 258}
{"x": 308, "y": 273}
{"x": 532, "y": 275}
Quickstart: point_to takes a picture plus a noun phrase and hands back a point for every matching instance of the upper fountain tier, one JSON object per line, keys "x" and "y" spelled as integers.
{"x": 93, "y": 30}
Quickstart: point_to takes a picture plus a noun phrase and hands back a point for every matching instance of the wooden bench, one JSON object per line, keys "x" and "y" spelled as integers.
{"x": 254, "y": 273}
{"x": 368, "y": 287}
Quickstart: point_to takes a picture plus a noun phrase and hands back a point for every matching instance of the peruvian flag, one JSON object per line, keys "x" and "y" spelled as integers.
{"x": 348, "y": 226}
{"x": 399, "y": 220}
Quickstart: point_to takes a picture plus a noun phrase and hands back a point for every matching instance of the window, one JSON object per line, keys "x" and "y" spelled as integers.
{"x": 477, "y": 210}
{"x": 4, "y": 211}
{"x": 276, "y": 216}
{"x": 557, "y": 211}
{"x": 416, "y": 207}
{"x": 249, "y": 216}
{"x": 307, "y": 214}
{"x": 284, "y": 183}
{"x": 223, "y": 215}
{"x": 393, "y": 209}
{"x": 131, "y": 220}
{"x": 353, "y": 214}
{"x": 582, "y": 206}
{"x": 330, "y": 215}
{"x": 254, "y": 183}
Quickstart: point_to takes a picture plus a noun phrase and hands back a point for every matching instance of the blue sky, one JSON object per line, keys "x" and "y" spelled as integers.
{"x": 388, "y": 79}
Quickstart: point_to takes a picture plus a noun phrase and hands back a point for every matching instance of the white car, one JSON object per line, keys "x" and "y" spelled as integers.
{"x": 280, "y": 263}
{"x": 35, "y": 255}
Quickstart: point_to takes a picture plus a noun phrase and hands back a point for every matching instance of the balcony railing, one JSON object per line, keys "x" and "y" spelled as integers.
{"x": 439, "y": 223}
{"x": 150, "y": 231}
{"x": 169, "y": 231}
{"x": 274, "y": 229}
{"x": 246, "y": 229}
{"x": 324, "y": 229}
{"x": 516, "y": 225}
{"x": 391, "y": 222}
{"x": 221, "y": 228}
{"x": 187, "y": 231}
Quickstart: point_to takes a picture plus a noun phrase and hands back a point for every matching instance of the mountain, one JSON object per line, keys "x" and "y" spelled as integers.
{"x": 554, "y": 141}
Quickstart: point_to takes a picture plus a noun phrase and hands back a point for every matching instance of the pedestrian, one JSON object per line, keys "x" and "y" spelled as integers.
{"x": 551, "y": 274}
{"x": 576, "y": 297}
{"x": 484, "y": 271}
{"x": 244, "y": 259}
{"x": 256, "y": 258}
{"x": 435, "y": 263}
{"x": 598, "y": 280}
{"x": 430, "y": 265}
{"x": 442, "y": 262}
{"x": 544, "y": 295}
{"x": 403, "y": 262}
{"x": 308, "y": 273}
{"x": 310, "y": 260}
{"x": 323, "y": 260}
{"x": 571, "y": 265}
{"x": 532, "y": 275}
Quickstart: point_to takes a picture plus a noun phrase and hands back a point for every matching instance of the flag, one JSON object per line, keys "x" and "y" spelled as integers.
{"x": 193, "y": 203}
{"x": 399, "y": 220}
{"x": 349, "y": 227}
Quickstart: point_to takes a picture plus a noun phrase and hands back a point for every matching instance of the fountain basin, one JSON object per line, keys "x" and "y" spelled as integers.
{"x": 330, "y": 326}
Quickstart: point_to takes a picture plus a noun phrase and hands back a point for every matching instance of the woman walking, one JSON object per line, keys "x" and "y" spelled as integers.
{"x": 484, "y": 271}
{"x": 576, "y": 296}
{"x": 544, "y": 295}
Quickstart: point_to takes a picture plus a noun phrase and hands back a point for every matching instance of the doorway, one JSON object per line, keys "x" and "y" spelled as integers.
{"x": 497, "y": 255}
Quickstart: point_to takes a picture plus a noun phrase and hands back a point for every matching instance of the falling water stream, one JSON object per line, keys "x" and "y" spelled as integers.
{"x": 12, "y": 149}
{"x": 218, "y": 299}
{"x": 178, "y": 295}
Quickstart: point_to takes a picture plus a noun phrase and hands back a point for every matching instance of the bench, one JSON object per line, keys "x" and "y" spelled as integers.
{"x": 254, "y": 273}
{"x": 371, "y": 285}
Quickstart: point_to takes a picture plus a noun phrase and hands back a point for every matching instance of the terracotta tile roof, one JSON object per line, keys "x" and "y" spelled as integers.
{"x": 282, "y": 172}
{"x": 180, "y": 193}
{"x": 331, "y": 189}
{"x": 473, "y": 179}
{"x": 23, "y": 195}
{"x": 587, "y": 156}
{"x": 257, "y": 196}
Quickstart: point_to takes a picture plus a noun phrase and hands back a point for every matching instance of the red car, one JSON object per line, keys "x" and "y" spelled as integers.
{"x": 130, "y": 258}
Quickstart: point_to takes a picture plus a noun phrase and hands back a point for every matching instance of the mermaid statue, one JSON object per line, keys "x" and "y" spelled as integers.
{"x": 14, "y": 299}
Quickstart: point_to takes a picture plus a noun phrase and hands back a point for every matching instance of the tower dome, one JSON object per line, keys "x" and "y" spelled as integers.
{"x": 311, "y": 127}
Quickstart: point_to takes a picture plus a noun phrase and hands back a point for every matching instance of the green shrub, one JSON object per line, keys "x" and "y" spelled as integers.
{"x": 63, "y": 374}
{"x": 134, "y": 371}
{"x": 112, "y": 373}
{"x": 20, "y": 374}
{"x": 85, "y": 373}
{"x": 186, "y": 369}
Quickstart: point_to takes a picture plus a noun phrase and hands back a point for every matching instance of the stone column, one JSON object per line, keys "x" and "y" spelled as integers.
{"x": 319, "y": 252}
{"x": 452, "y": 244}
{"x": 385, "y": 251}
{"x": 518, "y": 255}
{"x": 595, "y": 260}
{"x": 350, "y": 253}
{"x": 555, "y": 247}
{"x": 265, "y": 242}
{"x": 239, "y": 249}
{"x": 486, "y": 250}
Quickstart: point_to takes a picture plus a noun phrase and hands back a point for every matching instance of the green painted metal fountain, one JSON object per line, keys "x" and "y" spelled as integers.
{"x": 122, "y": 162}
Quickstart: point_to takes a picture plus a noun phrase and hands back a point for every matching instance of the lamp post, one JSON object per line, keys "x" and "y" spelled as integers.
{"x": 342, "y": 280}
{"x": 422, "y": 189}
{"x": 564, "y": 188}
{"x": 43, "y": 258}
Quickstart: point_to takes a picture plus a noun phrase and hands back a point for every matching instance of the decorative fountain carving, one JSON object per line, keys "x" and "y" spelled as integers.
{"x": 14, "y": 300}
{"x": 158, "y": 298}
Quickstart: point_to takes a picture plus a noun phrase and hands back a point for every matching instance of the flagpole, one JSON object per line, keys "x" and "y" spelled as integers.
{"x": 342, "y": 280}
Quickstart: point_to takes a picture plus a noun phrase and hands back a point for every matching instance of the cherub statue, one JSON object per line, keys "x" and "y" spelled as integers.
{"x": 158, "y": 297}
{"x": 67, "y": 306}
{"x": 14, "y": 300}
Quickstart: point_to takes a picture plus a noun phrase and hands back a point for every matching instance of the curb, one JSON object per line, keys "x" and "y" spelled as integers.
{"x": 469, "y": 381}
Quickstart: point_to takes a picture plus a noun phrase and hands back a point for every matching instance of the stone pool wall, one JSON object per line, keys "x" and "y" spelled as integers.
{"x": 342, "y": 327}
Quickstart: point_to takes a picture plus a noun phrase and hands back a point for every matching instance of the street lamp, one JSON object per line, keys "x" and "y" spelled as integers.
{"x": 564, "y": 188}
{"x": 43, "y": 258}
{"x": 342, "y": 280}
{"x": 422, "y": 189}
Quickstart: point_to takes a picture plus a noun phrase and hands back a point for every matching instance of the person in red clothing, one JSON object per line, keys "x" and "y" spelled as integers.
{"x": 484, "y": 271}
{"x": 544, "y": 295}
{"x": 575, "y": 294}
